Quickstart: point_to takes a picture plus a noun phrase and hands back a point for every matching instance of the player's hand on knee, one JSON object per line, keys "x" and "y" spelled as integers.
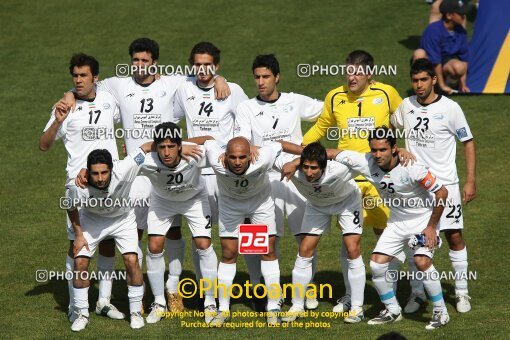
{"x": 78, "y": 245}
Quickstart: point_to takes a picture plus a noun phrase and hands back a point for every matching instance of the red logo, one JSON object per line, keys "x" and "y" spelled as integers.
{"x": 253, "y": 239}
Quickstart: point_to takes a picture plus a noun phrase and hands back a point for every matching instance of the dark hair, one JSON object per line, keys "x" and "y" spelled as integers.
{"x": 422, "y": 65}
{"x": 267, "y": 60}
{"x": 381, "y": 133}
{"x": 81, "y": 59}
{"x": 314, "y": 152}
{"x": 167, "y": 130}
{"x": 360, "y": 57}
{"x": 99, "y": 156}
{"x": 145, "y": 45}
{"x": 205, "y": 47}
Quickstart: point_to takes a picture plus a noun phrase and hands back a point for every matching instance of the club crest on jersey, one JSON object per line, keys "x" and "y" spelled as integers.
{"x": 377, "y": 101}
{"x": 317, "y": 188}
{"x": 106, "y": 106}
{"x": 438, "y": 116}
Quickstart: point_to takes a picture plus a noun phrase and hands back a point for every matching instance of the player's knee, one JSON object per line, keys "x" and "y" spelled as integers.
{"x": 422, "y": 262}
{"x": 130, "y": 261}
{"x": 81, "y": 263}
{"x": 202, "y": 243}
{"x": 174, "y": 234}
{"x": 353, "y": 251}
{"x": 156, "y": 244}
{"x": 455, "y": 240}
{"x": 229, "y": 255}
{"x": 378, "y": 269}
{"x": 459, "y": 68}
{"x": 306, "y": 250}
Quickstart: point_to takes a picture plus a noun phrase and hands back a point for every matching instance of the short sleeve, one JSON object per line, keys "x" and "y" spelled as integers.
{"x": 354, "y": 161}
{"x": 397, "y": 118}
{"x": 424, "y": 177}
{"x": 458, "y": 124}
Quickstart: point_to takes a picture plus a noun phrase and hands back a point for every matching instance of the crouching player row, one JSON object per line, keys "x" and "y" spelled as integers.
{"x": 382, "y": 168}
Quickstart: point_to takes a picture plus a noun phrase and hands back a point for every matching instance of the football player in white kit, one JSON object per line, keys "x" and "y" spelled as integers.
{"x": 206, "y": 116}
{"x": 104, "y": 214}
{"x": 432, "y": 123}
{"x": 273, "y": 115}
{"x": 177, "y": 189}
{"x": 244, "y": 191}
{"x": 330, "y": 191}
{"x": 78, "y": 131}
{"x": 145, "y": 101}
{"x": 417, "y": 200}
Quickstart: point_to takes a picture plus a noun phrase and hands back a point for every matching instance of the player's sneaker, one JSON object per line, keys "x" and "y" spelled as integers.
{"x": 157, "y": 312}
{"x": 220, "y": 319}
{"x": 416, "y": 300}
{"x": 439, "y": 319}
{"x": 210, "y": 312}
{"x": 174, "y": 302}
{"x": 109, "y": 310}
{"x": 137, "y": 320}
{"x": 463, "y": 304}
{"x": 355, "y": 315}
{"x": 273, "y": 317}
{"x": 293, "y": 313}
{"x": 81, "y": 321}
{"x": 385, "y": 317}
{"x": 343, "y": 304}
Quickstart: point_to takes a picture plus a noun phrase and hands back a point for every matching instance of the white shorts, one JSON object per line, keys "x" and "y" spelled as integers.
{"x": 141, "y": 190}
{"x": 196, "y": 210}
{"x": 452, "y": 217}
{"x": 397, "y": 234}
{"x": 97, "y": 228}
{"x": 212, "y": 194}
{"x": 288, "y": 201}
{"x": 349, "y": 214}
{"x": 232, "y": 213}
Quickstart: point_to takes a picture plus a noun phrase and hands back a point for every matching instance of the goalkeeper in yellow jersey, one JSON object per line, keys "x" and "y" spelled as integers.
{"x": 350, "y": 111}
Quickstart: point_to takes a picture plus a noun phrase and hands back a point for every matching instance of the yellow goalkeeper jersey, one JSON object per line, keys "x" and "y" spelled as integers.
{"x": 354, "y": 115}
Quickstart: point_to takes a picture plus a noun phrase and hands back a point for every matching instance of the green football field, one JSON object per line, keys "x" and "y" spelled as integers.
{"x": 37, "y": 40}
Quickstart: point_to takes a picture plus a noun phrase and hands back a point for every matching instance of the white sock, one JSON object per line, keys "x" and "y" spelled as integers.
{"x": 70, "y": 268}
{"x": 357, "y": 281}
{"x": 175, "y": 255}
{"x": 416, "y": 285}
{"x": 345, "y": 270}
{"x": 394, "y": 266}
{"x": 226, "y": 274}
{"x": 253, "y": 262}
{"x": 140, "y": 255}
{"x": 81, "y": 300}
{"x": 196, "y": 261}
{"x": 301, "y": 277}
{"x": 433, "y": 288}
{"x": 105, "y": 265}
{"x": 209, "y": 269}
{"x": 135, "y": 296}
{"x": 271, "y": 273}
{"x": 460, "y": 266}
{"x": 156, "y": 274}
{"x": 384, "y": 288}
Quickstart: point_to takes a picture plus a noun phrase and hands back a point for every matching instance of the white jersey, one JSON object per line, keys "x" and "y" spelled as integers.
{"x": 180, "y": 183}
{"x": 408, "y": 188}
{"x": 142, "y": 107}
{"x": 264, "y": 122}
{"x": 114, "y": 200}
{"x": 251, "y": 183}
{"x": 332, "y": 187}
{"x": 205, "y": 115}
{"x": 78, "y": 131}
{"x": 431, "y": 131}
